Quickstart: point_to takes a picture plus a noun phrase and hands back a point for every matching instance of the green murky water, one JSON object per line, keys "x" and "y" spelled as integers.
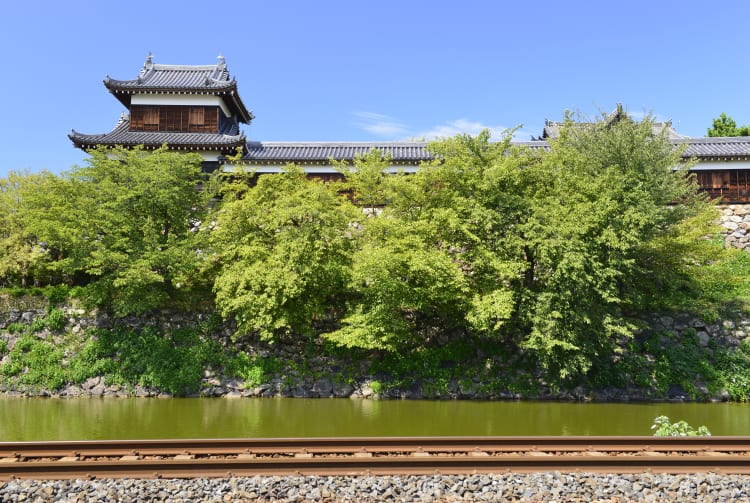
{"x": 125, "y": 418}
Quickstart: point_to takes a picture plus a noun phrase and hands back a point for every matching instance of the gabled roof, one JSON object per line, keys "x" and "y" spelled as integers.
{"x": 301, "y": 152}
{"x": 171, "y": 79}
{"x": 552, "y": 128}
{"x": 227, "y": 141}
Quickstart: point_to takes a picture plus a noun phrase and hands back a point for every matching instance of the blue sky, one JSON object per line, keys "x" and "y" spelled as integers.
{"x": 374, "y": 71}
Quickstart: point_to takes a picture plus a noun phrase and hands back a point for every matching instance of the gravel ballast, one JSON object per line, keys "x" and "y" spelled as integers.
{"x": 547, "y": 487}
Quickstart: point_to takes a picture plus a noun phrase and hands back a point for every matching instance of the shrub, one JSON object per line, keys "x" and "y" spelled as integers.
{"x": 56, "y": 319}
{"x": 254, "y": 370}
{"x": 56, "y": 294}
{"x": 733, "y": 369}
{"x": 665, "y": 428}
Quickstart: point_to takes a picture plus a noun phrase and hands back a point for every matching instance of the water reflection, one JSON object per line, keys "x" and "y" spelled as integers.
{"x": 113, "y": 418}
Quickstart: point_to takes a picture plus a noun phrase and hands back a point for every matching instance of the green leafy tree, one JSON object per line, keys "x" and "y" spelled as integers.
{"x": 20, "y": 256}
{"x": 366, "y": 179}
{"x": 541, "y": 250}
{"x": 404, "y": 288}
{"x": 724, "y": 125}
{"x": 284, "y": 253}
{"x": 544, "y": 250}
{"x": 428, "y": 263}
{"x": 600, "y": 196}
{"x": 124, "y": 225}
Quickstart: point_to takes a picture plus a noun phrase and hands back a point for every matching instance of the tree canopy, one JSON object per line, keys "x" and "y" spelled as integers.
{"x": 546, "y": 250}
{"x": 724, "y": 125}
{"x": 543, "y": 250}
{"x": 121, "y": 227}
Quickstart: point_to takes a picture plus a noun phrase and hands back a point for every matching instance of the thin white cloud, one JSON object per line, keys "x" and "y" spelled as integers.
{"x": 639, "y": 116}
{"x": 380, "y": 125}
{"x": 464, "y": 126}
{"x": 392, "y": 128}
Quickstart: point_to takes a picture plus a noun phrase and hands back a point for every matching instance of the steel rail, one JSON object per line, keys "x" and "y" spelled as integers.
{"x": 376, "y": 456}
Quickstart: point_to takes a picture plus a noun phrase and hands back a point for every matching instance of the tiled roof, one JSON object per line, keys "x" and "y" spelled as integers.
{"x": 282, "y": 152}
{"x": 717, "y": 147}
{"x": 205, "y": 79}
{"x": 415, "y": 152}
{"x": 226, "y": 142}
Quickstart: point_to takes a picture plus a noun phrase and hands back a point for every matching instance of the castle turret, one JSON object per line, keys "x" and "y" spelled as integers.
{"x": 188, "y": 108}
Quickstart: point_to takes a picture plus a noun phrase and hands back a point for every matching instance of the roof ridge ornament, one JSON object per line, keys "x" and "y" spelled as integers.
{"x": 221, "y": 72}
{"x": 147, "y": 65}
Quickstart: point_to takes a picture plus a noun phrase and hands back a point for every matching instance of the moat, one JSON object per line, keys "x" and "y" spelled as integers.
{"x": 127, "y": 418}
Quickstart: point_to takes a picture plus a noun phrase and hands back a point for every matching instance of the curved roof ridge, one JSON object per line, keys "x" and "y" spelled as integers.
{"x": 120, "y": 135}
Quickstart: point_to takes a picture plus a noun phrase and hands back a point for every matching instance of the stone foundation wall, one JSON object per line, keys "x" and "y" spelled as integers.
{"x": 735, "y": 220}
{"x": 322, "y": 378}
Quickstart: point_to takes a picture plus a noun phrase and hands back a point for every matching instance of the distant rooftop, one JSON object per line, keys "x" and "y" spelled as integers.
{"x": 552, "y": 128}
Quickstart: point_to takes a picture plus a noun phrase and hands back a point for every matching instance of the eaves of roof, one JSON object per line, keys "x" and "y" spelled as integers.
{"x": 283, "y": 152}
{"x": 120, "y": 135}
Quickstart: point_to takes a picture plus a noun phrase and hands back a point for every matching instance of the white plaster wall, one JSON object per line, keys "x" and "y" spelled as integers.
{"x": 711, "y": 165}
{"x": 308, "y": 168}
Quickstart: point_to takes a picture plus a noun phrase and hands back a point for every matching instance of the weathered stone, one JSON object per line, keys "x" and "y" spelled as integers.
{"x": 714, "y": 329}
{"x": 72, "y": 391}
{"x": 323, "y": 387}
{"x": 300, "y": 391}
{"x": 91, "y": 383}
{"x": 98, "y": 390}
{"x": 342, "y": 390}
{"x": 703, "y": 338}
{"x": 140, "y": 391}
{"x": 234, "y": 383}
{"x": 666, "y": 321}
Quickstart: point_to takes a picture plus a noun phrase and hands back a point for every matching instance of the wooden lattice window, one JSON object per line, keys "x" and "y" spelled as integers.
{"x": 197, "y": 116}
{"x": 151, "y": 119}
{"x": 175, "y": 119}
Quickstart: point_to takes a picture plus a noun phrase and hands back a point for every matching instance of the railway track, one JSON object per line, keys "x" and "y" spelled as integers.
{"x": 371, "y": 456}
